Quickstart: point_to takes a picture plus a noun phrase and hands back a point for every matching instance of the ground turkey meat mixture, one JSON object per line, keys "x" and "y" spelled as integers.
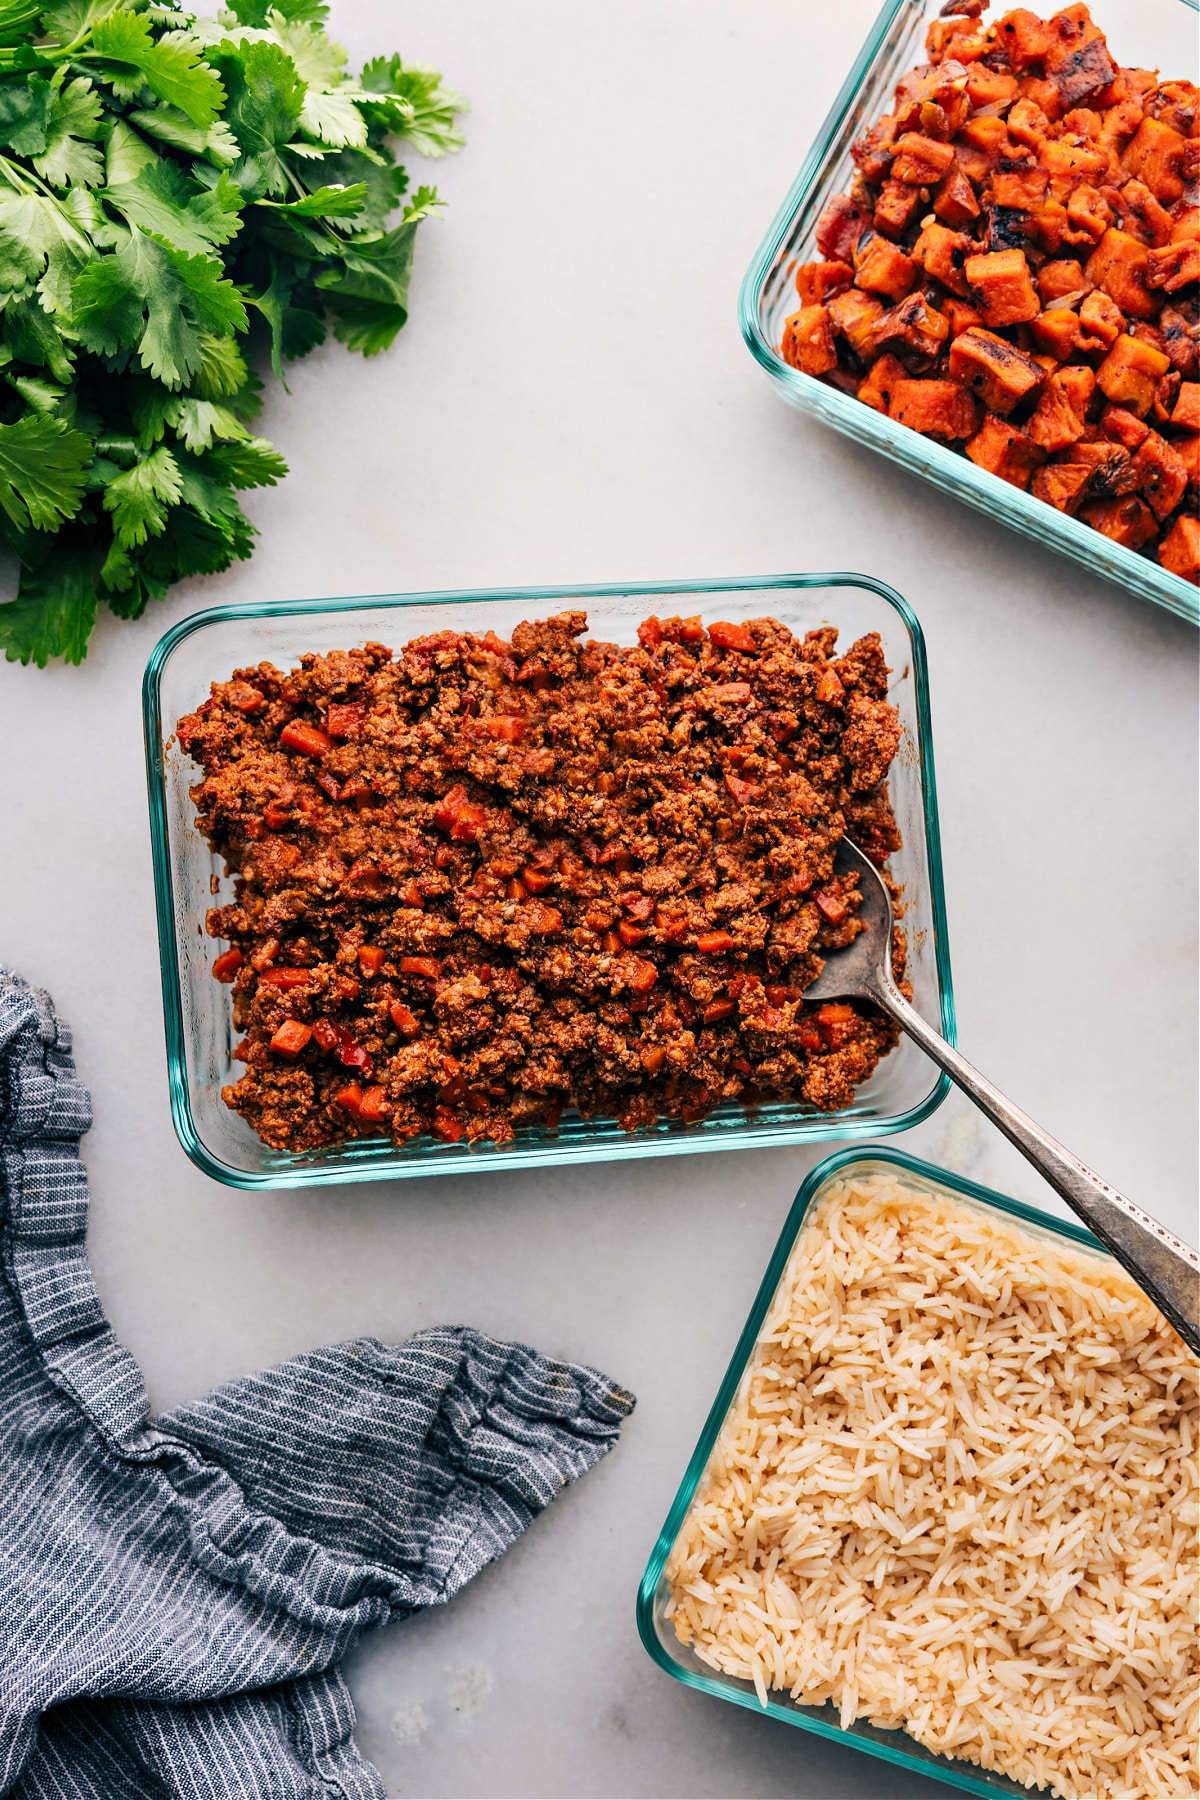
{"x": 481, "y": 882}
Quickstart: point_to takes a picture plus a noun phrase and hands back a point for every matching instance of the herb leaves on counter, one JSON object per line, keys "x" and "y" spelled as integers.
{"x": 178, "y": 193}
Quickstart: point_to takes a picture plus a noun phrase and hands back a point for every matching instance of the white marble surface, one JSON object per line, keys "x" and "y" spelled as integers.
{"x": 571, "y": 401}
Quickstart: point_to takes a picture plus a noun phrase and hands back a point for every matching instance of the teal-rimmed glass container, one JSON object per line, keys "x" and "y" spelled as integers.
{"x": 655, "y": 1629}
{"x": 189, "y": 878}
{"x": 1142, "y": 33}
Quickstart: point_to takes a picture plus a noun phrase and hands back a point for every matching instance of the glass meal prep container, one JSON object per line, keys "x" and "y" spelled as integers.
{"x": 189, "y": 878}
{"x": 1141, "y": 33}
{"x": 655, "y": 1629}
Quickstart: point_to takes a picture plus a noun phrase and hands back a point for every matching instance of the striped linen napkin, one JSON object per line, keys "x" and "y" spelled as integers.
{"x": 175, "y": 1593}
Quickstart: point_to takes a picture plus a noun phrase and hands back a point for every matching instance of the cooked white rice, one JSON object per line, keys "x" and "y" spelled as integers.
{"x": 957, "y": 1493}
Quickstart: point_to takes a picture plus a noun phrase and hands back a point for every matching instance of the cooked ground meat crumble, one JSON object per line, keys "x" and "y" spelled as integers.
{"x": 482, "y": 881}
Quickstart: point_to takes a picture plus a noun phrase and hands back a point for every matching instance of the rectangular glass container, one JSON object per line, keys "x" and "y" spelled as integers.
{"x": 189, "y": 878}
{"x": 1141, "y": 33}
{"x": 655, "y": 1629}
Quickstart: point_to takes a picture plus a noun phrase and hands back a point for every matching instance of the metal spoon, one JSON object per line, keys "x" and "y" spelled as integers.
{"x": 1162, "y": 1265}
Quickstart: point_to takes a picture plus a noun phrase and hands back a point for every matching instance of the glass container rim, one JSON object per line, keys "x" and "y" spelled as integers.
{"x": 810, "y": 1191}
{"x": 1177, "y": 596}
{"x": 546, "y": 1153}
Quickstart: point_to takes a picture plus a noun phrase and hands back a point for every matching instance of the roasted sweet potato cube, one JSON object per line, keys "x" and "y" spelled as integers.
{"x": 954, "y": 202}
{"x": 1127, "y": 521}
{"x": 877, "y": 390}
{"x": 1118, "y": 265}
{"x": 1174, "y": 266}
{"x": 990, "y": 87}
{"x": 872, "y": 150}
{"x": 897, "y": 207}
{"x": 1055, "y": 423}
{"x": 883, "y": 268}
{"x": 1005, "y": 450}
{"x": 960, "y": 315}
{"x": 1077, "y": 59}
{"x": 1155, "y": 155}
{"x": 1078, "y": 384}
{"x": 1179, "y": 341}
{"x": 840, "y": 226}
{"x": 1057, "y": 332}
{"x": 1186, "y": 224}
{"x": 1001, "y": 286}
{"x": 1180, "y": 549}
{"x": 982, "y": 143}
{"x": 1062, "y": 485}
{"x": 933, "y": 101}
{"x": 1088, "y": 215}
{"x": 1025, "y": 37}
{"x": 1101, "y": 321}
{"x": 994, "y": 369}
{"x": 1082, "y": 121}
{"x": 1022, "y": 185}
{"x": 1129, "y": 372}
{"x": 939, "y": 409}
{"x": 854, "y": 317}
{"x": 1162, "y": 475}
{"x": 915, "y": 332}
{"x": 1051, "y": 227}
{"x": 1054, "y": 279}
{"x": 1111, "y": 466}
{"x": 1189, "y": 449}
{"x": 1186, "y": 414}
{"x": 808, "y": 341}
{"x": 942, "y": 254}
{"x": 1140, "y": 214}
{"x": 1028, "y": 124}
{"x": 1043, "y": 94}
{"x": 817, "y": 282}
{"x": 1177, "y": 104}
{"x": 921, "y": 160}
{"x": 1122, "y": 427}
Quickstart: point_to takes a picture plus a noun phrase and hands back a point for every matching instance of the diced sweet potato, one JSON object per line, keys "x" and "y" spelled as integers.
{"x": 1177, "y": 104}
{"x": 1001, "y": 287}
{"x": 1054, "y": 279}
{"x": 1112, "y": 471}
{"x": 982, "y": 143}
{"x": 1118, "y": 265}
{"x": 897, "y": 207}
{"x": 1022, "y": 186}
{"x": 1005, "y": 450}
{"x": 1079, "y": 384}
{"x": 873, "y": 150}
{"x": 1025, "y": 37}
{"x": 1057, "y": 331}
{"x": 990, "y": 87}
{"x": 1129, "y": 372}
{"x": 938, "y": 409}
{"x": 1122, "y": 427}
{"x": 921, "y": 160}
{"x": 1077, "y": 60}
{"x": 854, "y": 317}
{"x": 840, "y": 227}
{"x": 1062, "y": 485}
{"x": 1007, "y": 228}
{"x": 1189, "y": 449}
{"x": 817, "y": 282}
{"x": 1069, "y": 165}
{"x": 1043, "y": 94}
{"x": 954, "y": 202}
{"x": 960, "y": 315}
{"x": 882, "y": 268}
{"x": 1051, "y": 227}
{"x": 808, "y": 341}
{"x": 1126, "y": 521}
{"x": 1162, "y": 475}
{"x": 1088, "y": 216}
{"x": 1185, "y": 224}
{"x": 942, "y": 254}
{"x": 1180, "y": 549}
{"x": 1179, "y": 336}
{"x": 994, "y": 369}
{"x": 1055, "y": 423}
{"x": 1028, "y": 124}
{"x": 877, "y": 390}
{"x": 933, "y": 101}
{"x": 1101, "y": 322}
{"x": 1139, "y": 213}
{"x": 1155, "y": 155}
{"x": 1082, "y": 121}
{"x": 1174, "y": 266}
{"x": 1186, "y": 414}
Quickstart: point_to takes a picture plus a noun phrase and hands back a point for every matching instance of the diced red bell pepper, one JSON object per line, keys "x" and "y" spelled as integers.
{"x": 350, "y": 1098}
{"x": 831, "y": 905}
{"x": 643, "y": 977}
{"x": 506, "y": 730}
{"x": 610, "y": 943}
{"x": 371, "y": 958}
{"x": 405, "y": 1021}
{"x": 713, "y": 943}
{"x": 227, "y": 965}
{"x": 373, "y": 1107}
{"x": 327, "y": 1035}
{"x": 296, "y": 735}
{"x": 469, "y": 821}
{"x": 615, "y": 856}
{"x": 427, "y": 966}
{"x": 343, "y": 721}
{"x": 284, "y": 978}
{"x": 536, "y": 880}
{"x": 630, "y": 934}
{"x": 291, "y": 1037}
{"x": 354, "y": 1056}
{"x": 446, "y": 1126}
{"x": 742, "y": 791}
{"x": 449, "y": 807}
{"x": 328, "y": 784}
{"x": 810, "y": 1038}
{"x": 731, "y": 637}
{"x": 837, "y": 1024}
{"x": 650, "y": 634}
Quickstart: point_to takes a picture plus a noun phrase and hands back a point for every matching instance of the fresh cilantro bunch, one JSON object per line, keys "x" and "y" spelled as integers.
{"x": 175, "y": 191}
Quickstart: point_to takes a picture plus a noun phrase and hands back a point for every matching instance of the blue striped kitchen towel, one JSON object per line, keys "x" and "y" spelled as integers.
{"x": 175, "y": 1593}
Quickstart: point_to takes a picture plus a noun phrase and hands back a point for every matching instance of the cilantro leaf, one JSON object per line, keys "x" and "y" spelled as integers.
{"x": 335, "y": 202}
{"x": 158, "y": 300}
{"x": 25, "y": 103}
{"x": 215, "y": 142}
{"x": 42, "y": 467}
{"x": 55, "y": 608}
{"x": 139, "y": 498}
{"x": 171, "y": 68}
{"x": 266, "y": 97}
{"x": 415, "y": 104}
{"x": 70, "y": 155}
{"x": 162, "y": 201}
{"x": 258, "y": 12}
{"x": 17, "y": 19}
{"x": 251, "y": 463}
{"x": 198, "y": 422}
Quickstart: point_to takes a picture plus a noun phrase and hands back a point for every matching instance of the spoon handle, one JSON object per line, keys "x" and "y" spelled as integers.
{"x": 1162, "y": 1265}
